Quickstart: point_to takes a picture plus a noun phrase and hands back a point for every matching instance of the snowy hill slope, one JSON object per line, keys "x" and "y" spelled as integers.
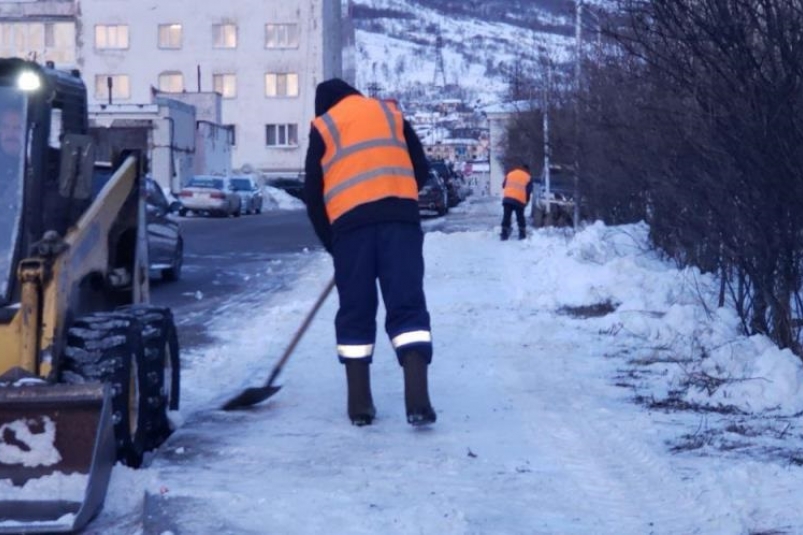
{"x": 402, "y": 45}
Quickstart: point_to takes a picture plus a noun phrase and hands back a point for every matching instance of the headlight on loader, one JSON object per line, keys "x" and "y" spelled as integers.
{"x": 29, "y": 81}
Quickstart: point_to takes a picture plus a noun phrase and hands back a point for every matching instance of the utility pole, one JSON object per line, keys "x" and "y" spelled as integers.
{"x": 547, "y": 150}
{"x": 577, "y": 60}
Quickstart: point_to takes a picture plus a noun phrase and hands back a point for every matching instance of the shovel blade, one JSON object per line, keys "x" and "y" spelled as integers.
{"x": 250, "y": 397}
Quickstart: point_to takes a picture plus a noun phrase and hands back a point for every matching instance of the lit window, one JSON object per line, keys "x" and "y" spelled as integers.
{"x": 281, "y": 135}
{"x": 170, "y": 36}
{"x": 225, "y": 84}
{"x": 281, "y": 36}
{"x": 111, "y": 36}
{"x": 281, "y": 84}
{"x": 171, "y": 82}
{"x": 224, "y": 35}
{"x": 120, "y": 86}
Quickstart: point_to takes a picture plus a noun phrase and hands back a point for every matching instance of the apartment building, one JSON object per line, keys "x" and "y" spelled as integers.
{"x": 264, "y": 57}
{"x": 40, "y": 30}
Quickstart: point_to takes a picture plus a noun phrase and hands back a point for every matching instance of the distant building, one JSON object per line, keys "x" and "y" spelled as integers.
{"x": 42, "y": 30}
{"x": 454, "y": 150}
{"x": 499, "y": 116}
{"x": 264, "y": 62}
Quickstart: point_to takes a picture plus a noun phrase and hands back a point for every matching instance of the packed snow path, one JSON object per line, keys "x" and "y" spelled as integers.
{"x": 533, "y": 436}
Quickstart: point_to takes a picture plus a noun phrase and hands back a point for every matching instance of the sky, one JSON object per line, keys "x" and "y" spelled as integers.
{"x": 653, "y": 415}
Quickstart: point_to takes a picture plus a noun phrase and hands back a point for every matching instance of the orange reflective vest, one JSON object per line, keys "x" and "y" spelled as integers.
{"x": 516, "y": 183}
{"x": 366, "y": 157}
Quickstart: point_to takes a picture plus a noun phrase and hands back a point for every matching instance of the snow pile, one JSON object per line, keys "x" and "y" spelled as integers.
{"x": 278, "y": 199}
{"x": 55, "y": 487}
{"x": 32, "y": 442}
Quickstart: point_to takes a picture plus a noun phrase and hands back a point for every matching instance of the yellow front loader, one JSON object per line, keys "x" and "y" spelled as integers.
{"x": 88, "y": 368}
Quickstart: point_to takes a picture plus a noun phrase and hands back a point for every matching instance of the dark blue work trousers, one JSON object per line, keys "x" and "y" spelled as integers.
{"x": 391, "y": 252}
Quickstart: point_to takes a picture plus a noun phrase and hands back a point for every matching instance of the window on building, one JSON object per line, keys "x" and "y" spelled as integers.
{"x": 170, "y": 36}
{"x": 281, "y": 135}
{"x": 224, "y": 35}
{"x": 49, "y": 41}
{"x": 111, "y": 36}
{"x": 281, "y": 35}
{"x": 225, "y": 84}
{"x": 171, "y": 82}
{"x": 281, "y": 84}
{"x": 120, "y": 89}
{"x": 233, "y": 133}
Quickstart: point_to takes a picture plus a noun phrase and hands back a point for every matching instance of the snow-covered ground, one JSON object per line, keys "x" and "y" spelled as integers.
{"x": 560, "y": 364}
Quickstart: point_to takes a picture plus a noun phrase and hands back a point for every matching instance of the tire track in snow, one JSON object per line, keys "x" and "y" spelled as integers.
{"x": 613, "y": 481}
{"x": 619, "y": 484}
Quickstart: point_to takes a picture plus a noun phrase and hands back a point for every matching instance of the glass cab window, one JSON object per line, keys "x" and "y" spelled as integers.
{"x": 13, "y": 130}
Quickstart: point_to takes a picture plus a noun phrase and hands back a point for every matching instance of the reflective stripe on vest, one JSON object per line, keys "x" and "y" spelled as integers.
{"x": 366, "y": 157}
{"x": 516, "y": 185}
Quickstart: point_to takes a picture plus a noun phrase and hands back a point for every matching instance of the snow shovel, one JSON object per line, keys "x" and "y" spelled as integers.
{"x": 252, "y": 396}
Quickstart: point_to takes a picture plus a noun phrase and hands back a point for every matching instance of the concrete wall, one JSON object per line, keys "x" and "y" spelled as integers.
{"x": 212, "y": 149}
{"x": 497, "y": 124}
{"x": 173, "y": 150}
{"x": 318, "y": 57}
{"x": 171, "y": 138}
{"x": 208, "y": 104}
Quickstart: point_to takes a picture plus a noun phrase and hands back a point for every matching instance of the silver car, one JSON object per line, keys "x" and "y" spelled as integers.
{"x": 209, "y": 195}
{"x": 250, "y": 194}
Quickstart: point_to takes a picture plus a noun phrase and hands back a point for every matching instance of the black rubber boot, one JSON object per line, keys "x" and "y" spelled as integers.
{"x": 505, "y": 233}
{"x": 416, "y": 392}
{"x": 360, "y": 403}
{"x": 522, "y": 233}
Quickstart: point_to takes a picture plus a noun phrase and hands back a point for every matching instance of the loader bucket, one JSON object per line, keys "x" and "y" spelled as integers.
{"x": 57, "y": 452}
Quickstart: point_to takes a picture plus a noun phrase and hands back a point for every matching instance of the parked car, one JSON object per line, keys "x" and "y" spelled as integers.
{"x": 250, "y": 194}
{"x": 165, "y": 242}
{"x": 211, "y": 195}
{"x": 433, "y": 197}
{"x": 455, "y": 185}
{"x": 560, "y": 197}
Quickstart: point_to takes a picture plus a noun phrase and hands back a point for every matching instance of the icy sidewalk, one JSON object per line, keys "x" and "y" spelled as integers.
{"x": 533, "y": 434}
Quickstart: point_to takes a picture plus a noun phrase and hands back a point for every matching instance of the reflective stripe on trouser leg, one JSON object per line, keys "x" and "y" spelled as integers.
{"x": 418, "y": 341}
{"x": 354, "y": 255}
{"x": 401, "y": 278}
{"x": 355, "y": 352}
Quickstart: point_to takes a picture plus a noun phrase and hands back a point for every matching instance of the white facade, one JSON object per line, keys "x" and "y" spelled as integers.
{"x": 42, "y": 31}
{"x": 499, "y": 117}
{"x": 265, "y": 57}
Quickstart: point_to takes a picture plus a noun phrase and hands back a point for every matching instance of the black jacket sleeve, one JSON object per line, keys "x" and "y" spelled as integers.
{"x": 417, "y": 155}
{"x": 313, "y": 190}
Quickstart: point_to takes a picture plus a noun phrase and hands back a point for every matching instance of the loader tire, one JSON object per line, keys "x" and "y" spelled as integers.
{"x": 161, "y": 367}
{"x": 107, "y": 347}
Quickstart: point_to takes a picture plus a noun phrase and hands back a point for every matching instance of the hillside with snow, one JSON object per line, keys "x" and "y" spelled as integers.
{"x": 467, "y": 49}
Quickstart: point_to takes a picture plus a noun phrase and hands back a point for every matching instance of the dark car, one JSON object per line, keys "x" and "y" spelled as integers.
{"x": 433, "y": 197}
{"x": 455, "y": 185}
{"x": 250, "y": 193}
{"x": 165, "y": 242}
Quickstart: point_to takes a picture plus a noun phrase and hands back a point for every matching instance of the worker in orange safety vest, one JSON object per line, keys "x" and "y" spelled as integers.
{"x": 517, "y": 188}
{"x": 364, "y": 168}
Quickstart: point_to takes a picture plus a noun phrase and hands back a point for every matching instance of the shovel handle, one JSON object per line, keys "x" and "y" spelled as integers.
{"x": 301, "y": 330}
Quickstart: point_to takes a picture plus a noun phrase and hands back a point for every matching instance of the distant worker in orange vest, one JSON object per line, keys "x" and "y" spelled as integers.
{"x": 364, "y": 168}
{"x": 517, "y": 188}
